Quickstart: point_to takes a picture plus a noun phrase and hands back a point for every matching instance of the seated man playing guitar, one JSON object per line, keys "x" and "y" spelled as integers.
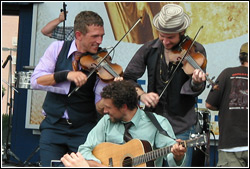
{"x": 105, "y": 145}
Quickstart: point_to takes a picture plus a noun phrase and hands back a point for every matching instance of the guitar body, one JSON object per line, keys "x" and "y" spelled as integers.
{"x": 114, "y": 155}
{"x": 137, "y": 153}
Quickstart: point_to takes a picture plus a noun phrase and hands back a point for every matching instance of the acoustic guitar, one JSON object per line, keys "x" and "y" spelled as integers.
{"x": 137, "y": 153}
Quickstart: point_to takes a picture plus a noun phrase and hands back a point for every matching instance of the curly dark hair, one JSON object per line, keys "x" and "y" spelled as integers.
{"x": 121, "y": 92}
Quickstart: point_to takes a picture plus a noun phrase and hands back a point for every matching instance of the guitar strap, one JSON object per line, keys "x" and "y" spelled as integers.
{"x": 156, "y": 123}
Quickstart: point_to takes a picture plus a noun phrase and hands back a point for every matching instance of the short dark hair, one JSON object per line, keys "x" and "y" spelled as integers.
{"x": 243, "y": 57}
{"x": 86, "y": 18}
{"x": 121, "y": 92}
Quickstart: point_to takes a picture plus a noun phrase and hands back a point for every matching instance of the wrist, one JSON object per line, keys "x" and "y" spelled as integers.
{"x": 61, "y": 76}
{"x": 59, "y": 20}
{"x": 196, "y": 86}
{"x": 139, "y": 97}
{"x": 178, "y": 160}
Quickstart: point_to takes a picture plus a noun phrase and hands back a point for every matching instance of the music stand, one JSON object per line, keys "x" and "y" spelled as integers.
{"x": 7, "y": 151}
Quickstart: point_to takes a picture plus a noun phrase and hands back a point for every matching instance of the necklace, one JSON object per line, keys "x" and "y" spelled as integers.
{"x": 169, "y": 69}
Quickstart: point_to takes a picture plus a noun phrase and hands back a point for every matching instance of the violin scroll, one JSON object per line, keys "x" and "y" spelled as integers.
{"x": 213, "y": 84}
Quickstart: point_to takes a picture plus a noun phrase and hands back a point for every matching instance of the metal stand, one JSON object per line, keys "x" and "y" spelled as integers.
{"x": 206, "y": 129}
{"x": 7, "y": 151}
{"x": 31, "y": 155}
{"x": 201, "y": 156}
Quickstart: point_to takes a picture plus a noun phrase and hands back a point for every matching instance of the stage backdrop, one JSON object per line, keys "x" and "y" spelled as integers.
{"x": 225, "y": 30}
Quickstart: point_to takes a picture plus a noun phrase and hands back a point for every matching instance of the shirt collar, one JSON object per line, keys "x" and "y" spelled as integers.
{"x": 157, "y": 44}
{"x": 137, "y": 117}
{"x": 72, "y": 48}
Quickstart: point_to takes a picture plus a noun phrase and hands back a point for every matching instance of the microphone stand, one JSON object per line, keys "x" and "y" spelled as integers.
{"x": 64, "y": 12}
{"x": 7, "y": 151}
{"x": 9, "y": 85}
{"x": 206, "y": 129}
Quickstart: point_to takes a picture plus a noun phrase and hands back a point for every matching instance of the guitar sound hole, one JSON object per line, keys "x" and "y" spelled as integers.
{"x": 127, "y": 162}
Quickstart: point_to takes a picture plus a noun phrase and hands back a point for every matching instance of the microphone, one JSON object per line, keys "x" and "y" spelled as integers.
{"x": 6, "y": 61}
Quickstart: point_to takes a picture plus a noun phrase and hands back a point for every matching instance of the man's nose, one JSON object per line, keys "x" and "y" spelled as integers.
{"x": 99, "y": 40}
{"x": 165, "y": 41}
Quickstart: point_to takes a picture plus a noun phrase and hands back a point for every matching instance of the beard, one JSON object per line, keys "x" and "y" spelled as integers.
{"x": 115, "y": 120}
{"x": 177, "y": 47}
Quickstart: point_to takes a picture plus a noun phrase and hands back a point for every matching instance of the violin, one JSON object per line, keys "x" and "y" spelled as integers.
{"x": 106, "y": 65}
{"x": 193, "y": 60}
{"x": 107, "y": 71}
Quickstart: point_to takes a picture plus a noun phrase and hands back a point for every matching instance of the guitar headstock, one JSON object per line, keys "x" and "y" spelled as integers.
{"x": 197, "y": 140}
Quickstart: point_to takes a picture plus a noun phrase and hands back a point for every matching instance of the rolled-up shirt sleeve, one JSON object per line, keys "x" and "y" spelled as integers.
{"x": 98, "y": 89}
{"x": 46, "y": 66}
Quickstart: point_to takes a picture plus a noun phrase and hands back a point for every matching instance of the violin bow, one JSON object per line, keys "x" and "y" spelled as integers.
{"x": 172, "y": 76}
{"x": 64, "y": 12}
{"x": 77, "y": 88}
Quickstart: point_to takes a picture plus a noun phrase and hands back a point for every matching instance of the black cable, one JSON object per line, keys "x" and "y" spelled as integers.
{"x": 214, "y": 147}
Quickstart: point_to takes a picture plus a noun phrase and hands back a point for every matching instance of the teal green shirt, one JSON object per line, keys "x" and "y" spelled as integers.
{"x": 143, "y": 129}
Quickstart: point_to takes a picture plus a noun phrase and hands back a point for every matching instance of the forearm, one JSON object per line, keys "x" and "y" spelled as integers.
{"x": 46, "y": 80}
{"x": 100, "y": 107}
{"x": 209, "y": 106}
{"x": 139, "y": 91}
{"x": 48, "y": 29}
{"x": 51, "y": 79}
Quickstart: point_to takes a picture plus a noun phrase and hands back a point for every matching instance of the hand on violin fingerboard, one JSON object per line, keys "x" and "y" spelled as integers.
{"x": 198, "y": 76}
{"x": 77, "y": 77}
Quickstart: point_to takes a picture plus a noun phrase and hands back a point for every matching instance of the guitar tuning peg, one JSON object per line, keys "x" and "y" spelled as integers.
{"x": 192, "y": 136}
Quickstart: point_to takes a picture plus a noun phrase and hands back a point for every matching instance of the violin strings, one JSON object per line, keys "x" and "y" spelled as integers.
{"x": 110, "y": 70}
{"x": 196, "y": 66}
{"x": 193, "y": 62}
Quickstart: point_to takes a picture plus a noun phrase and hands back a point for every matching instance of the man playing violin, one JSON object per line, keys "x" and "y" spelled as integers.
{"x": 177, "y": 103}
{"x": 68, "y": 120}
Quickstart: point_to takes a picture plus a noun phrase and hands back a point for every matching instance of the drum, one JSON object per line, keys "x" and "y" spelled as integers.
{"x": 22, "y": 80}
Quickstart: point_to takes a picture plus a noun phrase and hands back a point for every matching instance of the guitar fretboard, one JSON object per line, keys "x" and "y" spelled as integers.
{"x": 151, "y": 155}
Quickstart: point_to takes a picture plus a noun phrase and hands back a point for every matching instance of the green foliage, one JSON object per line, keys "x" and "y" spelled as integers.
{"x": 5, "y": 121}
{"x": 3, "y": 91}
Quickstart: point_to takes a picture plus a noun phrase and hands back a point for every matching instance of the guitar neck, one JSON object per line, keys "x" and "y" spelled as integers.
{"x": 152, "y": 155}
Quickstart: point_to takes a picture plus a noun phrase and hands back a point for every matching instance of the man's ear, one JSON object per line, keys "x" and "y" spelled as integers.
{"x": 183, "y": 32}
{"x": 78, "y": 35}
{"x": 124, "y": 107}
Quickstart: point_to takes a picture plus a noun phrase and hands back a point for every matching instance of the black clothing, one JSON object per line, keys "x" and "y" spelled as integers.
{"x": 232, "y": 102}
{"x": 178, "y": 101}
